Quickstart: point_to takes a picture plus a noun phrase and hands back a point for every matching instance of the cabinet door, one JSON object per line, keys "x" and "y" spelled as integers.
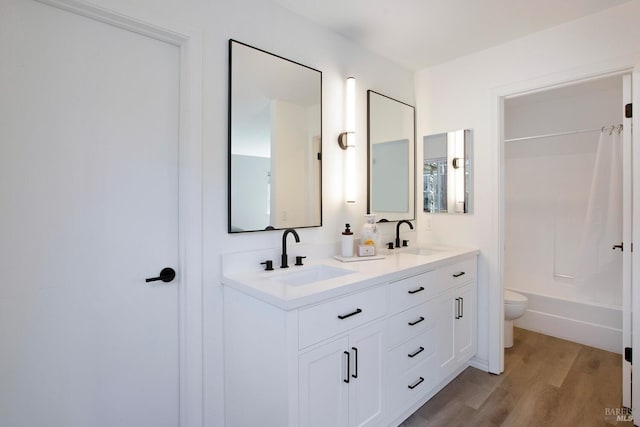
{"x": 323, "y": 391}
{"x": 447, "y": 313}
{"x": 465, "y": 334}
{"x": 366, "y": 388}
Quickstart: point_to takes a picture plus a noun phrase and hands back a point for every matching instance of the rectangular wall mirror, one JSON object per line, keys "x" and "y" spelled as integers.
{"x": 447, "y": 174}
{"x": 275, "y": 141}
{"x": 391, "y": 153}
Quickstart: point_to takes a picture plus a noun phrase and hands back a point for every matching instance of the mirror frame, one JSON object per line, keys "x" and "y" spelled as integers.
{"x": 412, "y": 194}
{"x": 230, "y": 141}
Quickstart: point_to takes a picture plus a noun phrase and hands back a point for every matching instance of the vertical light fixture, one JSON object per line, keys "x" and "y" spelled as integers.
{"x": 455, "y": 150}
{"x": 347, "y": 141}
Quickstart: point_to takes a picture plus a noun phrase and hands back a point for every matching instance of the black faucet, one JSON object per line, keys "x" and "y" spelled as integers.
{"x": 398, "y": 230}
{"x": 284, "y": 258}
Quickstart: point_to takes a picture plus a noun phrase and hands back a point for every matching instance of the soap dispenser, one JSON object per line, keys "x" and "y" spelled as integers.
{"x": 347, "y": 241}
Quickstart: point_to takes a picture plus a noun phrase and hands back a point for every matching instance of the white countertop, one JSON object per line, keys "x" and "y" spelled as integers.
{"x": 265, "y": 285}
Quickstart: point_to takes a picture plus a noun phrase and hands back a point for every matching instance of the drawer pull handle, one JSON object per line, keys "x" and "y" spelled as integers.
{"x": 458, "y": 316}
{"x": 417, "y": 352}
{"x": 416, "y": 384}
{"x": 459, "y": 274}
{"x": 416, "y": 322}
{"x": 344, "y": 316}
{"x": 355, "y": 350}
{"x": 415, "y": 291}
{"x": 348, "y": 366}
{"x": 461, "y": 307}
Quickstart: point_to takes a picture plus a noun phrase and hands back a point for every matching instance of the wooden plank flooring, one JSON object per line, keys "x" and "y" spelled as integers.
{"x": 547, "y": 382}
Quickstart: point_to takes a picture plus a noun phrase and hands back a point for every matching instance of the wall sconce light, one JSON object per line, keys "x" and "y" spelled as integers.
{"x": 347, "y": 141}
{"x": 456, "y": 154}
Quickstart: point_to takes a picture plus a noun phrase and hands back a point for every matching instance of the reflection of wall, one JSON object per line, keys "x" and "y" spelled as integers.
{"x": 389, "y": 184}
{"x": 290, "y": 147}
{"x": 250, "y": 178}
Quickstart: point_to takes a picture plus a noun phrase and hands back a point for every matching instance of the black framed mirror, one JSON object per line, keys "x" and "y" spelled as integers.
{"x": 275, "y": 142}
{"x": 391, "y": 158}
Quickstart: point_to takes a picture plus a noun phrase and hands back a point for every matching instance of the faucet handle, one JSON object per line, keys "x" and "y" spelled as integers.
{"x": 390, "y": 245}
{"x": 299, "y": 260}
{"x": 268, "y": 265}
{"x": 405, "y": 243}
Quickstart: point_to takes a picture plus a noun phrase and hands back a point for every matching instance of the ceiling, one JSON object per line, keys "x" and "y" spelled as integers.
{"x": 422, "y": 33}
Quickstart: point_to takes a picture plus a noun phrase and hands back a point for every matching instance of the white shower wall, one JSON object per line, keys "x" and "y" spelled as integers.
{"x": 547, "y": 185}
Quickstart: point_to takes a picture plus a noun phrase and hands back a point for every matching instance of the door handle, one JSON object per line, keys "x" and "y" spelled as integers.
{"x": 166, "y": 275}
{"x": 620, "y": 246}
{"x": 355, "y": 350}
{"x": 348, "y": 366}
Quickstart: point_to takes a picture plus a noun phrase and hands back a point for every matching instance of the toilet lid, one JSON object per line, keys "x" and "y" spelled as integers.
{"x": 511, "y": 297}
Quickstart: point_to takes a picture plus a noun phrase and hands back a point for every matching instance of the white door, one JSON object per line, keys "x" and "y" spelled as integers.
{"x": 464, "y": 329}
{"x": 447, "y": 313}
{"x": 88, "y": 191}
{"x": 324, "y": 385}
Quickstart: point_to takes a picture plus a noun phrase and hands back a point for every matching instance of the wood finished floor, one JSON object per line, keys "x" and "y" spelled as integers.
{"x": 547, "y": 382}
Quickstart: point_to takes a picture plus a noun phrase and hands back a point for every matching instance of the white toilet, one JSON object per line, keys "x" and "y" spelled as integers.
{"x": 515, "y": 305}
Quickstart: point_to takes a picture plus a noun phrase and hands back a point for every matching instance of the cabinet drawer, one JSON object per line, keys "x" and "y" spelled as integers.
{"x": 458, "y": 273}
{"x": 411, "y": 322}
{"x": 407, "y": 389}
{"x": 331, "y": 318}
{"x": 412, "y": 291}
{"x": 410, "y": 354}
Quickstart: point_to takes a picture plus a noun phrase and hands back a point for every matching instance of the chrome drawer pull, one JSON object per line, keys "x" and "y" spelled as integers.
{"x": 416, "y": 384}
{"x": 459, "y": 274}
{"x": 416, "y": 322}
{"x": 415, "y": 291}
{"x": 344, "y": 316}
{"x": 417, "y": 352}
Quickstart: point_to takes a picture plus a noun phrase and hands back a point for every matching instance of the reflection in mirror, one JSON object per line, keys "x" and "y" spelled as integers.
{"x": 275, "y": 138}
{"x": 391, "y": 192}
{"x": 447, "y": 172}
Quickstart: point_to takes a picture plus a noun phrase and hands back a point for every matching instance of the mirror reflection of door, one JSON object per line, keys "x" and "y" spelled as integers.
{"x": 274, "y": 141}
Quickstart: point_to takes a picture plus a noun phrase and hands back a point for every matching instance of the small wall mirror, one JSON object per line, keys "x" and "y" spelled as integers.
{"x": 275, "y": 141}
{"x": 447, "y": 172}
{"x": 391, "y": 152}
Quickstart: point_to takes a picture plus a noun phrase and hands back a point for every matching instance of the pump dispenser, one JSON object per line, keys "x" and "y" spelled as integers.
{"x": 347, "y": 241}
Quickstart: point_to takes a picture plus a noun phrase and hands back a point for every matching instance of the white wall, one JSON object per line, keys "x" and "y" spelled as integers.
{"x": 269, "y": 27}
{"x": 547, "y": 188}
{"x": 464, "y": 93}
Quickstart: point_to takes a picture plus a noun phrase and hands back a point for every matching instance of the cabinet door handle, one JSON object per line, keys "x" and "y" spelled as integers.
{"x": 457, "y": 308}
{"x": 417, "y": 352}
{"x": 416, "y": 322}
{"x": 348, "y": 366}
{"x": 415, "y": 291}
{"x": 355, "y": 350}
{"x": 353, "y": 313}
{"x": 458, "y": 274}
{"x": 416, "y": 384}
{"x": 461, "y": 307}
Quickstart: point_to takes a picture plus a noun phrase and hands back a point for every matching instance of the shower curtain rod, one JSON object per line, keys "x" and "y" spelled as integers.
{"x": 572, "y": 132}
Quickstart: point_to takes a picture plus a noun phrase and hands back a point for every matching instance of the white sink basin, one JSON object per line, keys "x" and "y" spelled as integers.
{"x": 309, "y": 275}
{"x": 423, "y": 251}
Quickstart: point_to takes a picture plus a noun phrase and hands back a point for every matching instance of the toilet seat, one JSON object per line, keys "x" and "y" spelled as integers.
{"x": 511, "y": 297}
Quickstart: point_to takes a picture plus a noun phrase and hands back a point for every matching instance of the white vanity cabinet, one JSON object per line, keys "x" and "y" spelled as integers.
{"x": 341, "y": 382}
{"x": 321, "y": 365}
{"x": 457, "y": 318}
{"x": 367, "y": 355}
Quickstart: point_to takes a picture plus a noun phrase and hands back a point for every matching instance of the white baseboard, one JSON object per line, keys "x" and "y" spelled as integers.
{"x": 591, "y": 334}
{"x": 478, "y": 363}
